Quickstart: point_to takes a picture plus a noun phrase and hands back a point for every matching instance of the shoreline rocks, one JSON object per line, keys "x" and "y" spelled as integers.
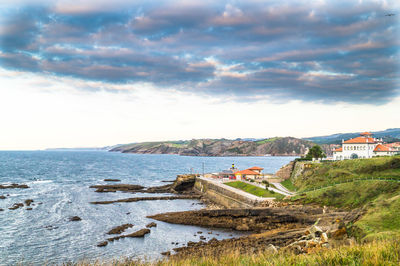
{"x": 119, "y": 229}
{"x": 117, "y": 187}
{"x": 14, "y": 186}
{"x": 75, "y": 218}
{"x": 140, "y": 233}
{"x": 111, "y": 180}
{"x": 148, "y": 198}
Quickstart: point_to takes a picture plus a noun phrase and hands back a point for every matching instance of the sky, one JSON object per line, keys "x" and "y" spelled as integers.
{"x": 97, "y": 73}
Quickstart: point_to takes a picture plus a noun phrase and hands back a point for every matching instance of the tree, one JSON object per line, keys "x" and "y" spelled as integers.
{"x": 315, "y": 152}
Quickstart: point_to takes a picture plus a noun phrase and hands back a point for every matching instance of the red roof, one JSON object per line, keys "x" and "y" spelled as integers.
{"x": 360, "y": 140}
{"x": 339, "y": 149}
{"x": 247, "y": 172}
{"x": 381, "y": 147}
{"x": 366, "y": 134}
{"x": 256, "y": 168}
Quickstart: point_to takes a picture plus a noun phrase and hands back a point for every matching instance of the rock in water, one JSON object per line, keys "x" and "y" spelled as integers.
{"x": 140, "y": 233}
{"x": 150, "y": 225}
{"x": 119, "y": 229}
{"x": 75, "y": 218}
{"x": 28, "y": 202}
{"x": 102, "y": 244}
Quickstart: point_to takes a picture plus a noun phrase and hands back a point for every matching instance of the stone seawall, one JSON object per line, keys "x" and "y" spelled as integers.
{"x": 225, "y": 195}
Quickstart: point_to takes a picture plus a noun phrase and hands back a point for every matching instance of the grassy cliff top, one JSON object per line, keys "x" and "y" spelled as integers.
{"x": 369, "y": 185}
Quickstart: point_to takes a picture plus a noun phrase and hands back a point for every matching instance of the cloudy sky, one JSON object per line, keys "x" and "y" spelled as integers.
{"x": 96, "y": 73}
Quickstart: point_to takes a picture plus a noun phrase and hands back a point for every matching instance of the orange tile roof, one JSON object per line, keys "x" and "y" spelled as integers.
{"x": 247, "y": 172}
{"x": 360, "y": 140}
{"x": 365, "y": 133}
{"x": 339, "y": 149}
{"x": 256, "y": 168}
{"x": 381, "y": 147}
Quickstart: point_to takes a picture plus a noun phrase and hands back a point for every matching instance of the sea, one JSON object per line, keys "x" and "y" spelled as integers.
{"x": 59, "y": 187}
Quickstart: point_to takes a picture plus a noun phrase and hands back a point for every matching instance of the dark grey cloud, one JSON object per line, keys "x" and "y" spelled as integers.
{"x": 331, "y": 52}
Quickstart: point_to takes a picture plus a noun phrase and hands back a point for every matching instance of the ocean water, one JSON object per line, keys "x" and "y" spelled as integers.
{"x": 61, "y": 180}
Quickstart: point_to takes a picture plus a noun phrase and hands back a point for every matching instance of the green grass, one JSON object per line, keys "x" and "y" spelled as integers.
{"x": 267, "y": 140}
{"x": 254, "y": 190}
{"x": 324, "y": 174}
{"x": 288, "y": 184}
{"x": 379, "y": 200}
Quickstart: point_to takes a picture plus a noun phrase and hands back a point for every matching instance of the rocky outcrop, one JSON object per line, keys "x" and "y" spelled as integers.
{"x": 119, "y": 229}
{"x": 13, "y": 186}
{"x": 75, "y": 218}
{"x": 140, "y": 233}
{"x": 184, "y": 183}
{"x": 193, "y": 196}
{"x": 118, "y": 187}
{"x": 257, "y": 219}
{"x": 150, "y": 225}
{"x": 111, "y": 180}
{"x": 285, "y": 171}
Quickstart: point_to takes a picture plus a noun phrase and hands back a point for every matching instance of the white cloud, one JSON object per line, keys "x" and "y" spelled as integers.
{"x": 40, "y": 112}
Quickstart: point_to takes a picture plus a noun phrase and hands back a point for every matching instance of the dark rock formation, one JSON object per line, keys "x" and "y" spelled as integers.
{"x": 16, "y": 206}
{"x": 184, "y": 183}
{"x": 2, "y": 197}
{"x": 75, "y": 218}
{"x": 150, "y": 225}
{"x": 111, "y": 180}
{"x": 140, "y": 233}
{"x": 118, "y": 187}
{"x": 119, "y": 229}
{"x": 1, "y": 209}
{"x": 13, "y": 186}
{"x": 29, "y": 209}
{"x": 28, "y": 202}
{"x": 102, "y": 244}
{"x": 258, "y": 219}
{"x": 148, "y": 198}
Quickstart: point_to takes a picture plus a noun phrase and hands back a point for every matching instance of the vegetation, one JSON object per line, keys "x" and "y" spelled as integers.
{"x": 379, "y": 200}
{"x": 288, "y": 185}
{"x": 385, "y": 252}
{"x": 267, "y": 140}
{"x": 315, "y": 152}
{"x": 252, "y": 189}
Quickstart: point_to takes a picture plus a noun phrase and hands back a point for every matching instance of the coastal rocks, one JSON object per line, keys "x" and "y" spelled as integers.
{"x": 148, "y": 198}
{"x": 102, "y": 244}
{"x": 1, "y": 209}
{"x": 184, "y": 183}
{"x": 16, "y": 206}
{"x": 117, "y": 187}
{"x": 166, "y": 253}
{"x": 119, "y": 229}
{"x": 111, "y": 180}
{"x": 242, "y": 219}
{"x": 2, "y": 197}
{"x": 150, "y": 225}
{"x": 13, "y": 186}
{"x": 75, "y": 218}
{"x": 28, "y": 202}
{"x": 140, "y": 233}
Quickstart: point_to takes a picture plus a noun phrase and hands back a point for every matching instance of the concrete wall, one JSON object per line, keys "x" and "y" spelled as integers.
{"x": 223, "y": 196}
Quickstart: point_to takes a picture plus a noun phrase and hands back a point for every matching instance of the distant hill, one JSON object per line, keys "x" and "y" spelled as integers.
{"x": 388, "y": 135}
{"x": 278, "y": 146}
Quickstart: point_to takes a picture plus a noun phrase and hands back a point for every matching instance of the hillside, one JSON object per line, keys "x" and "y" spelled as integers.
{"x": 221, "y": 147}
{"x": 377, "y": 200}
{"x": 388, "y": 135}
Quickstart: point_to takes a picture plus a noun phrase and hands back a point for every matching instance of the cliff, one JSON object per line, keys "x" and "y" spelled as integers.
{"x": 285, "y": 146}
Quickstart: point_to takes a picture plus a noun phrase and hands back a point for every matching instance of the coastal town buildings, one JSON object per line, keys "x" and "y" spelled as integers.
{"x": 254, "y": 172}
{"x": 364, "y": 146}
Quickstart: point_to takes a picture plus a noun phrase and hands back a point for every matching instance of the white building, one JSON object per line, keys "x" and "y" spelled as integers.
{"x": 364, "y": 146}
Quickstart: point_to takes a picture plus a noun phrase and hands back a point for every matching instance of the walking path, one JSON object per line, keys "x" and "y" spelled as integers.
{"x": 277, "y": 190}
{"x": 220, "y": 183}
{"x": 282, "y": 188}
